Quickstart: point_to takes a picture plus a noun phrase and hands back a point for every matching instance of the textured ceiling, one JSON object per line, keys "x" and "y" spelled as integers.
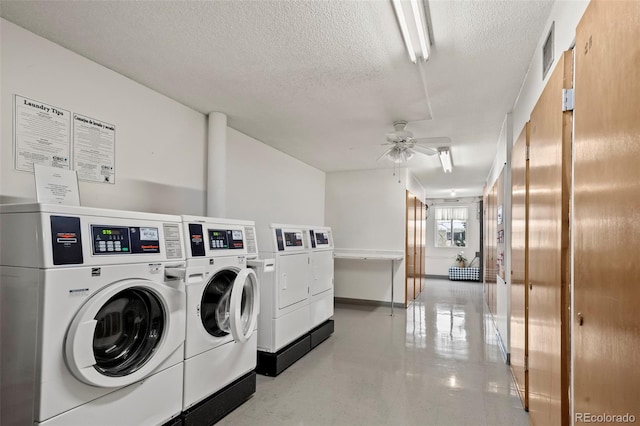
{"x": 320, "y": 80}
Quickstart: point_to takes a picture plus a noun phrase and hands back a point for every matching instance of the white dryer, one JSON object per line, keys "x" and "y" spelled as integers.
{"x": 321, "y": 291}
{"x": 285, "y": 299}
{"x": 285, "y": 276}
{"x": 93, "y": 316}
{"x": 222, "y": 311}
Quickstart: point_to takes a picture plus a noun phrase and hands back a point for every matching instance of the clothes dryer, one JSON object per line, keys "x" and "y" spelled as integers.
{"x": 321, "y": 290}
{"x": 285, "y": 296}
{"x": 222, "y": 311}
{"x": 93, "y": 316}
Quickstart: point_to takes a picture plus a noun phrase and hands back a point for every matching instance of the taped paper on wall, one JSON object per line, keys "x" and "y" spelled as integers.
{"x": 41, "y": 135}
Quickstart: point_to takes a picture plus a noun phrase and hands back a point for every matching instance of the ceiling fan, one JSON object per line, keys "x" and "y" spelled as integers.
{"x": 402, "y": 144}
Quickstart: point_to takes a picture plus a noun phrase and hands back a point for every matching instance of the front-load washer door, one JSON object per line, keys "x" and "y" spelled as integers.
{"x": 229, "y": 304}
{"x": 114, "y": 339}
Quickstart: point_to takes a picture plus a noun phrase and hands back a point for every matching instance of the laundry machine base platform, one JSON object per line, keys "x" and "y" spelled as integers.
{"x": 221, "y": 403}
{"x": 176, "y": 421}
{"x": 321, "y": 333}
{"x": 272, "y": 364}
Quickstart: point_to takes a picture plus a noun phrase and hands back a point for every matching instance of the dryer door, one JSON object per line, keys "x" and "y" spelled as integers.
{"x": 114, "y": 339}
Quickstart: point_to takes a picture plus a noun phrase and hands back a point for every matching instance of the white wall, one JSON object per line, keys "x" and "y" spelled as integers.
{"x": 366, "y": 210}
{"x": 414, "y": 186}
{"x": 566, "y": 15}
{"x": 502, "y": 316}
{"x": 439, "y": 259}
{"x": 268, "y": 186}
{"x": 160, "y": 143}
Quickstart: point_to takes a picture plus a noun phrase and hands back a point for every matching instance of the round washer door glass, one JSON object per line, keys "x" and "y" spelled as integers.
{"x": 215, "y": 305}
{"x": 129, "y": 327}
{"x": 230, "y": 299}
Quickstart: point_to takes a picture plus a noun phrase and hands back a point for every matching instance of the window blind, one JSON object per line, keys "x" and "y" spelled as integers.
{"x": 452, "y": 213}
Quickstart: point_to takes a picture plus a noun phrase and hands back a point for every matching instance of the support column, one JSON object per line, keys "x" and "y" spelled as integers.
{"x": 217, "y": 165}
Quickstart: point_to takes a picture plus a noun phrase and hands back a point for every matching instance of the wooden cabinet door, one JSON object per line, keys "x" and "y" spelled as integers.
{"x": 549, "y": 190}
{"x": 410, "y": 249}
{"x": 423, "y": 244}
{"x": 607, "y": 210}
{"x": 520, "y": 263}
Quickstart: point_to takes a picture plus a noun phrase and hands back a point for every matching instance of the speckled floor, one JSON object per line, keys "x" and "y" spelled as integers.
{"x": 437, "y": 363}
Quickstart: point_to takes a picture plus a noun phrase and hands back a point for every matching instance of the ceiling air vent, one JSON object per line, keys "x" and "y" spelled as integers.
{"x": 547, "y": 52}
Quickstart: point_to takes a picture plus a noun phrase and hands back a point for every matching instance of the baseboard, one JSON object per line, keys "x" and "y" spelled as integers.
{"x": 439, "y": 277}
{"x": 367, "y": 302}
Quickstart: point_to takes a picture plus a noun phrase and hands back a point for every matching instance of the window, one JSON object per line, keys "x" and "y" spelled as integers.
{"x": 451, "y": 226}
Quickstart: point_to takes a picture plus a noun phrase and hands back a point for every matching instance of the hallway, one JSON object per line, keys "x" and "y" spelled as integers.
{"x": 437, "y": 363}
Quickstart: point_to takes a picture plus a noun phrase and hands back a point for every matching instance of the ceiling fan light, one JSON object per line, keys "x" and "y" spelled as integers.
{"x": 395, "y": 155}
{"x": 408, "y": 154}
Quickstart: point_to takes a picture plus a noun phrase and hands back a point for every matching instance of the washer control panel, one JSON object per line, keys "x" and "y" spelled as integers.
{"x": 124, "y": 239}
{"x": 225, "y": 239}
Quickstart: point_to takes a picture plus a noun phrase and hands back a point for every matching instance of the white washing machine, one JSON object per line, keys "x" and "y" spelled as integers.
{"x": 93, "y": 316}
{"x": 321, "y": 291}
{"x": 284, "y": 303}
{"x": 222, "y": 311}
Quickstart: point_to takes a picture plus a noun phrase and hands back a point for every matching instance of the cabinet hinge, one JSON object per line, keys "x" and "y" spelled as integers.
{"x": 567, "y": 99}
{"x": 526, "y": 152}
{"x": 526, "y": 363}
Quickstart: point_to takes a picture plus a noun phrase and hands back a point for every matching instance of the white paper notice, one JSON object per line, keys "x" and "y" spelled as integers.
{"x": 56, "y": 186}
{"x": 94, "y": 144}
{"x": 42, "y": 135}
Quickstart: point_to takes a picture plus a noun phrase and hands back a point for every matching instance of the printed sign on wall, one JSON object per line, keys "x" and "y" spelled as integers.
{"x": 42, "y": 135}
{"x": 94, "y": 144}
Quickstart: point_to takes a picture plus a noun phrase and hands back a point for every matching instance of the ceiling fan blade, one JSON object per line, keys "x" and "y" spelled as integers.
{"x": 385, "y": 153}
{"x": 399, "y": 135}
{"x": 424, "y": 150}
{"x": 439, "y": 141}
{"x": 392, "y": 137}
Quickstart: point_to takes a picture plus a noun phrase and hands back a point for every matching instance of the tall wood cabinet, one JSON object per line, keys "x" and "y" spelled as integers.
{"x": 415, "y": 247}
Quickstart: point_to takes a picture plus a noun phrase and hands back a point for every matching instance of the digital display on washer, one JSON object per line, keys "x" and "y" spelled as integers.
{"x": 293, "y": 239}
{"x": 224, "y": 239}
{"x": 322, "y": 238}
{"x": 125, "y": 239}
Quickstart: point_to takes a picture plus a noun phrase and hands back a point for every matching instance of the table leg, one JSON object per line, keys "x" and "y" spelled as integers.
{"x": 392, "y": 288}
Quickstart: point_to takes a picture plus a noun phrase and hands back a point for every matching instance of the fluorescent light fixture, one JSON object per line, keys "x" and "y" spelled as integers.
{"x": 445, "y": 159}
{"x": 423, "y": 33}
{"x": 418, "y": 27}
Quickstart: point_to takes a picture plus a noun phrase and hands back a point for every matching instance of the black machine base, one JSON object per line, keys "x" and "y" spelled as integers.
{"x": 214, "y": 408}
{"x": 176, "y": 421}
{"x": 272, "y": 364}
{"x": 321, "y": 333}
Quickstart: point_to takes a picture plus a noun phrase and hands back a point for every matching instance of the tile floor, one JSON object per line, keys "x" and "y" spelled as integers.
{"x": 436, "y": 363}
